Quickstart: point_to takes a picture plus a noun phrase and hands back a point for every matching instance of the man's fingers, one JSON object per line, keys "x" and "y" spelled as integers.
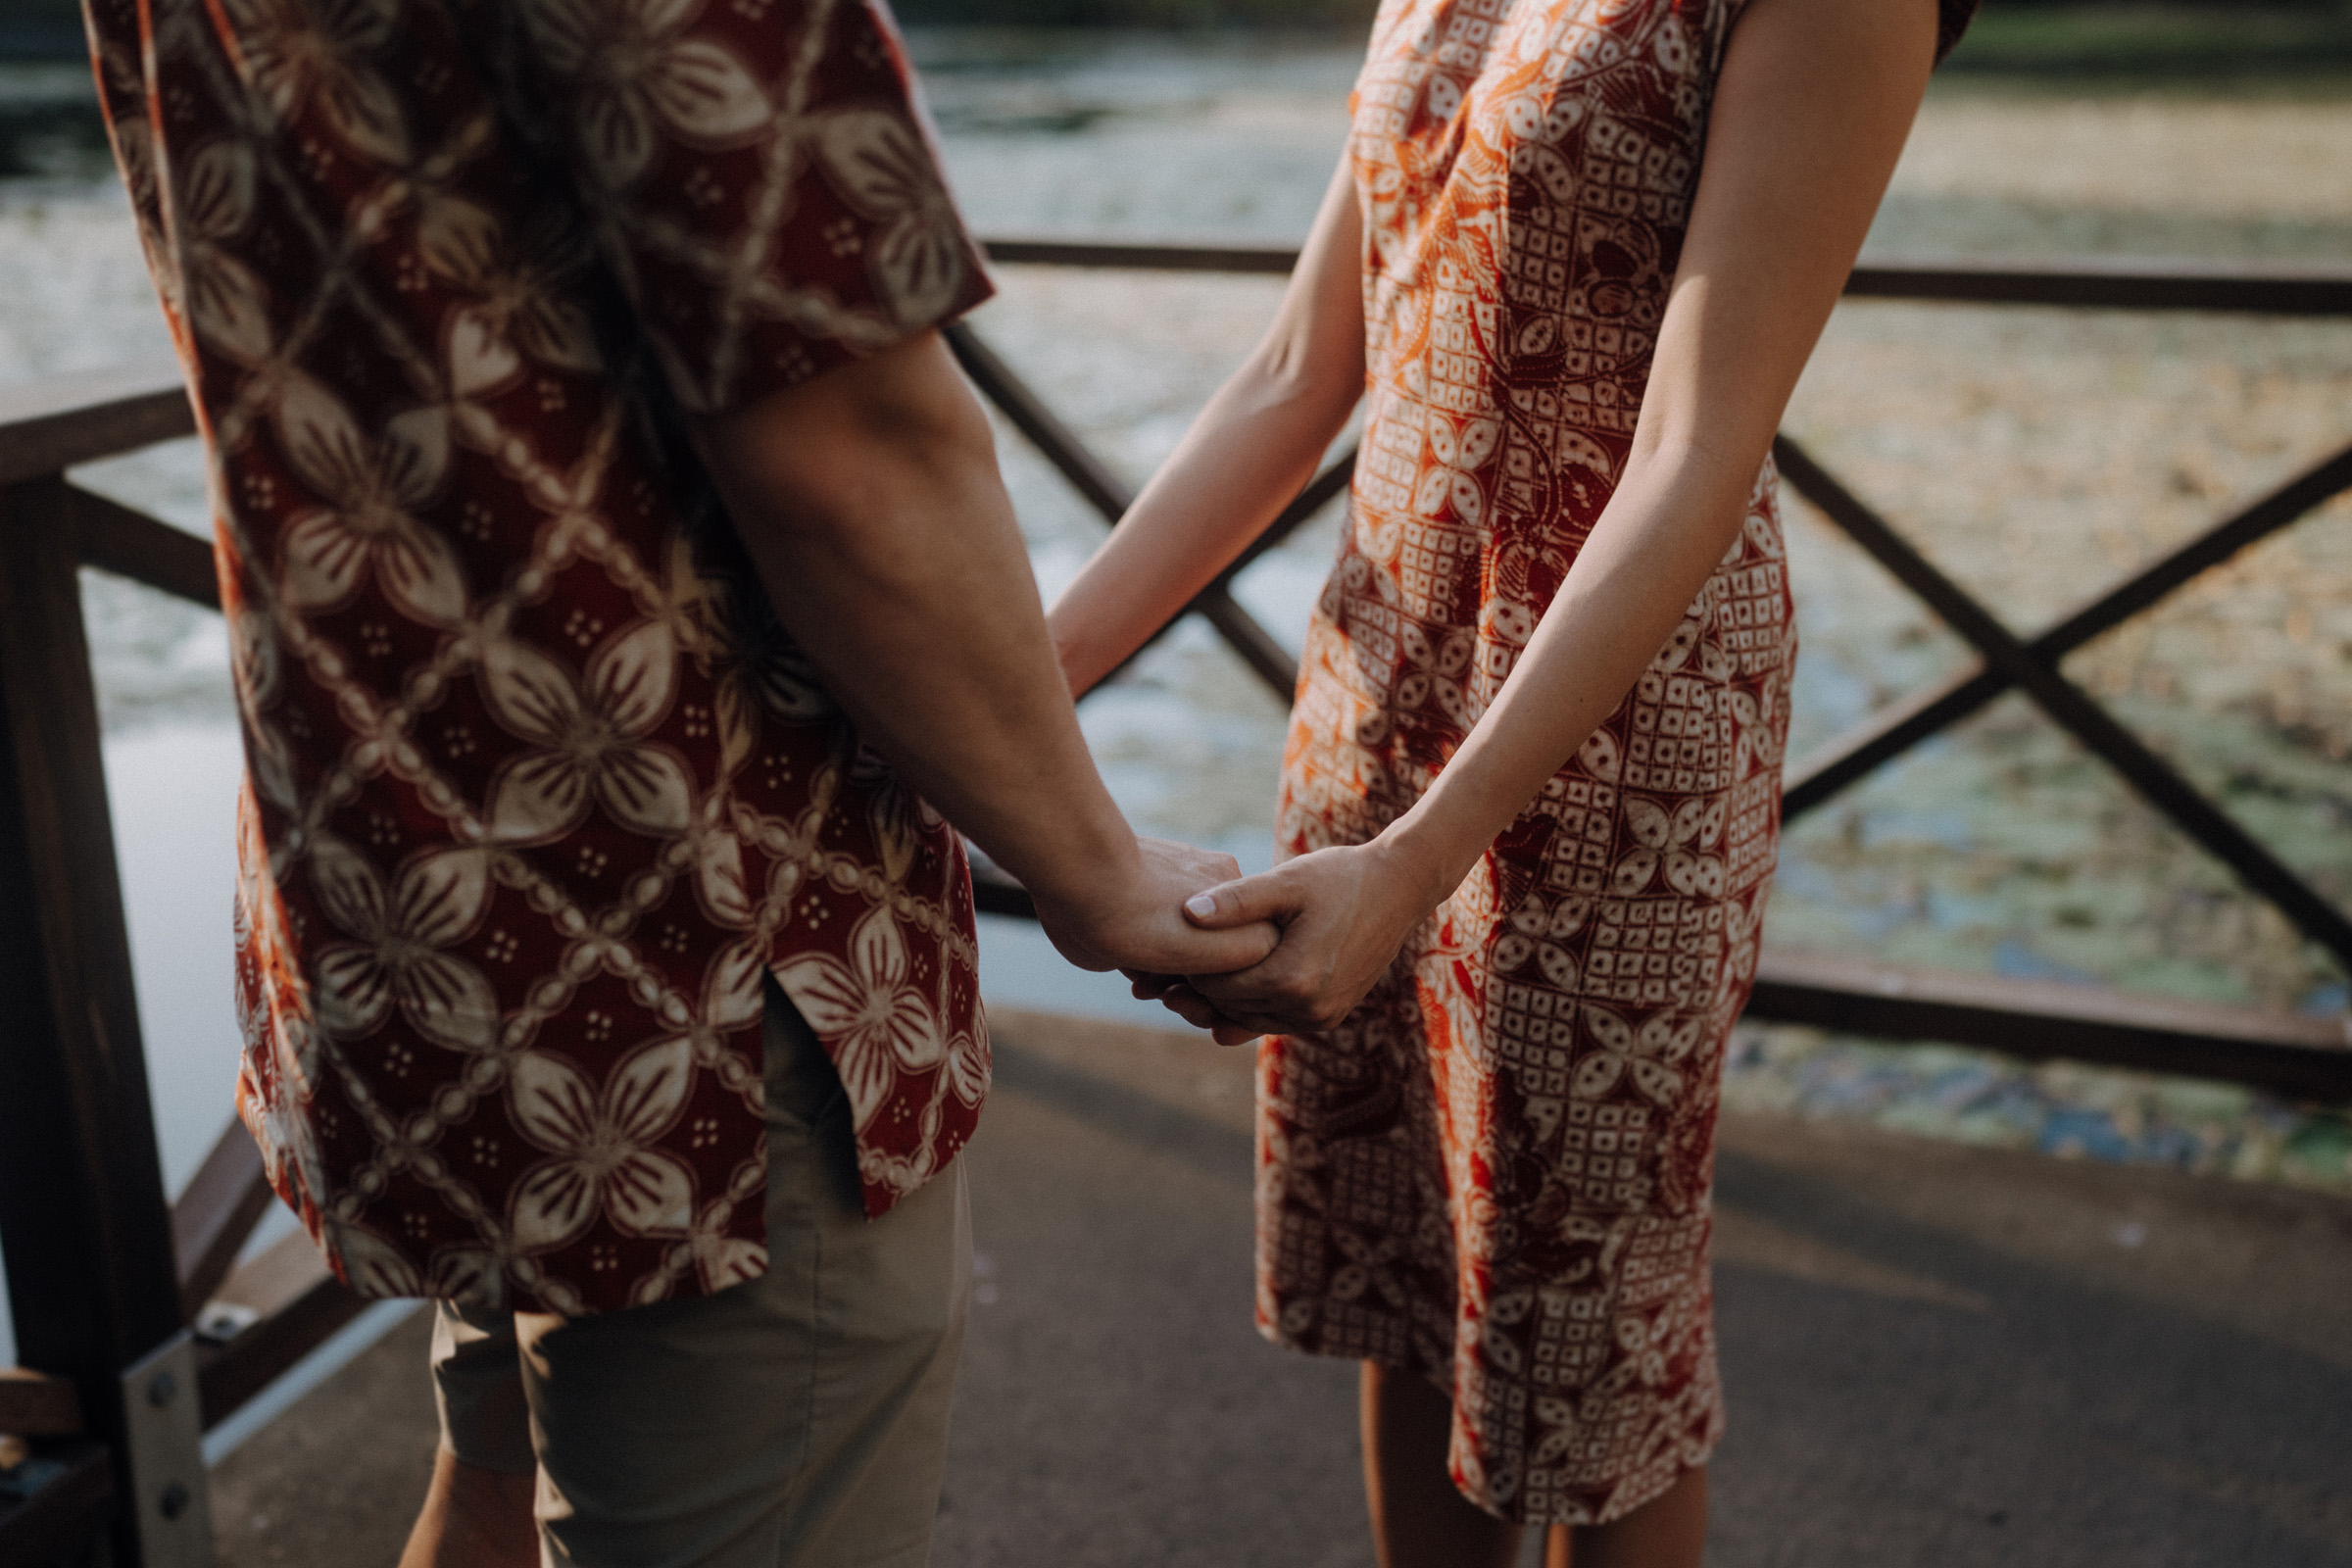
{"x": 1273, "y": 998}
{"x": 1220, "y": 951}
{"x": 1266, "y": 989}
{"x": 1189, "y": 1005}
{"x": 1186, "y": 1004}
{"x": 1148, "y": 986}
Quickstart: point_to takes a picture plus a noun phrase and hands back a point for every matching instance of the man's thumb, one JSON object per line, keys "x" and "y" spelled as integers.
{"x": 1235, "y": 903}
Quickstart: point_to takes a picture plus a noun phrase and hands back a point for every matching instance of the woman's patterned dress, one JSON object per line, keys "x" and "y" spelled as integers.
{"x": 1496, "y": 1171}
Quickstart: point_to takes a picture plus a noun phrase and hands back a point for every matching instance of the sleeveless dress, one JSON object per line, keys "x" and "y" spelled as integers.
{"x": 1495, "y": 1172}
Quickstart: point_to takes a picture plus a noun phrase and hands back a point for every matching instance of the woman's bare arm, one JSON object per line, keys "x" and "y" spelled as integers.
{"x": 1810, "y": 113}
{"x": 1252, "y": 447}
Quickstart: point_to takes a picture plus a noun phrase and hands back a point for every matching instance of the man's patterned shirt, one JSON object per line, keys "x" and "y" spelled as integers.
{"x": 538, "y": 793}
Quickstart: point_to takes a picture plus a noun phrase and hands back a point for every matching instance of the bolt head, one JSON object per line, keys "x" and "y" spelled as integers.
{"x": 160, "y": 1388}
{"x": 174, "y": 1500}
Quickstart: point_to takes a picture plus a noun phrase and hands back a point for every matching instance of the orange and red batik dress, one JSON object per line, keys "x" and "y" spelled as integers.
{"x": 1496, "y": 1171}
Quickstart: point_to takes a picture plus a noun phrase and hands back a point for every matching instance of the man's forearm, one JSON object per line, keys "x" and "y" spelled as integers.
{"x": 881, "y": 530}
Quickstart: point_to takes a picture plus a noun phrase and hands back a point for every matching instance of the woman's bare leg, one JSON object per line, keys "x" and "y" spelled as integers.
{"x": 1418, "y": 1519}
{"x": 1668, "y": 1532}
{"x": 473, "y": 1518}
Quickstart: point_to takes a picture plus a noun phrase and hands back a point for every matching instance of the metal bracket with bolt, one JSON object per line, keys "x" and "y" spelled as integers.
{"x": 166, "y": 1431}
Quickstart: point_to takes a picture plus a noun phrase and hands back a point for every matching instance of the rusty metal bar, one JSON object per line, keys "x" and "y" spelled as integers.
{"x": 1320, "y": 491}
{"x": 1259, "y": 647}
{"x": 2119, "y": 283}
{"x": 2125, "y": 283}
{"x": 35, "y": 1404}
{"x": 994, "y": 890}
{"x": 1150, "y": 256}
{"x": 300, "y": 1306}
{"x": 112, "y": 537}
{"x": 1247, "y": 638}
{"x": 215, "y": 1214}
{"x": 2068, "y": 705}
{"x": 1903, "y": 724}
{"x": 51, "y": 425}
{"x": 84, "y": 1221}
{"x": 1087, "y": 473}
{"x": 55, "y": 1525}
{"x": 1109, "y": 496}
{"x": 2300, "y": 1057}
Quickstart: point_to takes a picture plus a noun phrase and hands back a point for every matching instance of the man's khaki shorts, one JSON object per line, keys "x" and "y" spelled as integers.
{"x": 798, "y": 1419}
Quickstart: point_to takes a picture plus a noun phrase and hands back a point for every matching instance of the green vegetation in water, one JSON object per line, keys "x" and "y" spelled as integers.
{"x": 1301, "y": 16}
{"x": 2195, "y": 41}
{"x": 2057, "y": 1108}
{"x": 2192, "y": 43}
{"x": 49, "y": 124}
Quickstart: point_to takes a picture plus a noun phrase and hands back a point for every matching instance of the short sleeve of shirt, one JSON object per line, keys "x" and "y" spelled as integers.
{"x": 762, "y": 176}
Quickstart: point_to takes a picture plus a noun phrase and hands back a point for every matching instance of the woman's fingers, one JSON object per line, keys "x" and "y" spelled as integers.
{"x": 1341, "y": 925}
{"x": 1340, "y": 922}
{"x": 1294, "y": 989}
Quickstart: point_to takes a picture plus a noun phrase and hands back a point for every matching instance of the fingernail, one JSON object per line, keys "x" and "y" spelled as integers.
{"x": 1200, "y": 903}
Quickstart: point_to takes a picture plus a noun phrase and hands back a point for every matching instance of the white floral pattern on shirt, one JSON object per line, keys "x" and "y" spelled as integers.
{"x": 538, "y": 792}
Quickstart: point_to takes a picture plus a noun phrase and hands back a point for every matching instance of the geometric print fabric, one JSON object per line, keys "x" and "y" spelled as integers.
{"x": 1496, "y": 1171}
{"x": 538, "y": 791}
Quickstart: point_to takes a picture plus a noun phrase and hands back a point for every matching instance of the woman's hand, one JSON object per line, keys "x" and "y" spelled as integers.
{"x": 1342, "y": 915}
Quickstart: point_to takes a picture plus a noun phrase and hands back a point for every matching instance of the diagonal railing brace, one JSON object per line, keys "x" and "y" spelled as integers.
{"x": 2068, "y": 705}
{"x": 1109, "y": 496}
{"x": 1901, "y": 725}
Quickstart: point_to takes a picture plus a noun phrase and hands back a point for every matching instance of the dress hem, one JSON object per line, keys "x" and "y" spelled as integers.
{"x": 1272, "y": 1334}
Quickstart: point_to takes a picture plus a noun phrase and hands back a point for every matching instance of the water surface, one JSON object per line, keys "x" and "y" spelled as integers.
{"x": 2037, "y": 454}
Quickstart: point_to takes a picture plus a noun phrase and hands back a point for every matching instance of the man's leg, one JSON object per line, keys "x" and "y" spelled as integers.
{"x": 477, "y": 1510}
{"x": 473, "y": 1518}
{"x": 799, "y": 1419}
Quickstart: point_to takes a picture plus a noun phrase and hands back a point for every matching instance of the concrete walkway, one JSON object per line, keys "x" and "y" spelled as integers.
{"x": 1936, "y": 1355}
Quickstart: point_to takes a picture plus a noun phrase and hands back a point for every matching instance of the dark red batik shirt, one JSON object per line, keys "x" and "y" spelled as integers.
{"x": 538, "y": 793}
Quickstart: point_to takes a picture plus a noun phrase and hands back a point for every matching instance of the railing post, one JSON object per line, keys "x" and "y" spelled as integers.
{"x": 83, "y": 1217}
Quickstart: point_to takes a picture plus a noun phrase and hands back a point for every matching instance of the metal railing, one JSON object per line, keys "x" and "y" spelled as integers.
{"x": 2291, "y": 1054}
{"x": 109, "y": 1278}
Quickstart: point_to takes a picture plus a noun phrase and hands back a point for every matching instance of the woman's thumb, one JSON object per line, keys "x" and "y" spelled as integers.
{"x": 1236, "y": 904}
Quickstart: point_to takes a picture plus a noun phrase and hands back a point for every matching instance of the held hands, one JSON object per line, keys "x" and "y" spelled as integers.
{"x": 1342, "y": 915}
{"x": 1129, "y": 917}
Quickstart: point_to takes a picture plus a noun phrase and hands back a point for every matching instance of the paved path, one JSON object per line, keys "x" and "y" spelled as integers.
{"x": 1936, "y": 1355}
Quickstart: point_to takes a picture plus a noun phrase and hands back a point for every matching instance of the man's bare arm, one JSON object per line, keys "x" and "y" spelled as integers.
{"x": 870, "y": 503}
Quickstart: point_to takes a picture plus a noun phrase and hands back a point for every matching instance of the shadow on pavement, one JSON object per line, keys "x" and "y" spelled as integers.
{"x": 1934, "y": 1355}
